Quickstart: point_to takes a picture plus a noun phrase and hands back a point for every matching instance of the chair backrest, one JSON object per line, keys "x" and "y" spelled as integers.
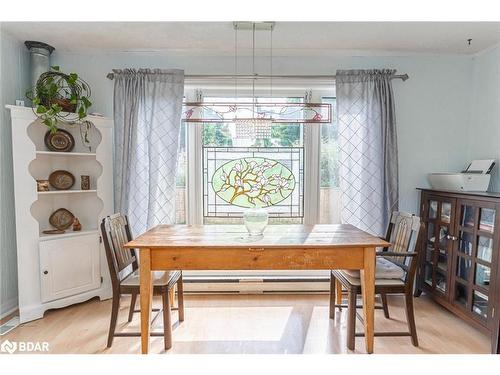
{"x": 116, "y": 233}
{"x": 404, "y": 233}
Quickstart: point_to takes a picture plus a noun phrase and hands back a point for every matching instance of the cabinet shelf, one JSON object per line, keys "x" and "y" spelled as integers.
{"x": 69, "y": 233}
{"x": 443, "y": 267}
{"x": 56, "y": 192}
{"x": 70, "y": 154}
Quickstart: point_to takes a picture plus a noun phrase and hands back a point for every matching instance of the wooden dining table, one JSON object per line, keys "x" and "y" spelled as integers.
{"x": 282, "y": 247}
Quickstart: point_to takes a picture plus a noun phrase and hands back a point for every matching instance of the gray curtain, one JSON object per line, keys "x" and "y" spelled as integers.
{"x": 368, "y": 148}
{"x": 147, "y": 115}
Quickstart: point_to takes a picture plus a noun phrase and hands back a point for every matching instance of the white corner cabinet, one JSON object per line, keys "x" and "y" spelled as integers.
{"x": 57, "y": 270}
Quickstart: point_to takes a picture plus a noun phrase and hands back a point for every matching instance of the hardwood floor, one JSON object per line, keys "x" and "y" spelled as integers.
{"x": 261, "y": 324}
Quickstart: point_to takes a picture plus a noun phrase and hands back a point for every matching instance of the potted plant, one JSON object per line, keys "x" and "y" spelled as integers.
{"x": 58, "y": 96}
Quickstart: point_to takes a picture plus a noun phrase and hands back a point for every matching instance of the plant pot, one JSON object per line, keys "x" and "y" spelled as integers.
{"x": 65, "y": 104}
{"x": 256, "y": 220}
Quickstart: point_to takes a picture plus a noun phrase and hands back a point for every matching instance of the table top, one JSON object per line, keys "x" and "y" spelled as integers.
{"x": 275, "y": 236}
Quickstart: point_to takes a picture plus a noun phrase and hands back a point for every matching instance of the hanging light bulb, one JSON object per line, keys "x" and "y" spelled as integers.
{"x": 255, "y": 127}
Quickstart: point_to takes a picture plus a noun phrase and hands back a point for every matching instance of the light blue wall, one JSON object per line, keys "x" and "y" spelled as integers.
{"x": 13, "y": 80}
{"x": 434, "y": 110}
{"x": 484, "y": 129}
{"x": 432, "y": 107}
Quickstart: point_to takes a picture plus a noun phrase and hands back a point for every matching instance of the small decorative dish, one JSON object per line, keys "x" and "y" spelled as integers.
{"x": 61, "y": 219}
{"x": 61, "y": 180}
{"x": 61, "y": 141}
{"x": 54, "y": 231}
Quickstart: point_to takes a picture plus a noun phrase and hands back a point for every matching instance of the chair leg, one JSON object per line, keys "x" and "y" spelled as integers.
{"x": 385, "y": 306}
{"x": 332, "y": 296}
{"x": 167, "y": 320}
{"x": 410, "y": 317}
{"x": 171, "y": 294}
{"x": 133, "y": 299}
{"x": 180, "y": 299}
{"x": 351, "y": 318}
{"x": 114, "y": 316}
{"x": 338, "y": 293}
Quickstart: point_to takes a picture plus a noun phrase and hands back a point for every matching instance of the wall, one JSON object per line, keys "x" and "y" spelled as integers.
{"x": 483, "y": 138}
{"x": 13, "y": 83}
{"x": 432, "y": 107}
{"x": 433, "y": 111}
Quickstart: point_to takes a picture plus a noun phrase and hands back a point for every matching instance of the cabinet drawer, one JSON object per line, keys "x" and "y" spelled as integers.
{"x": 69, "y": 266}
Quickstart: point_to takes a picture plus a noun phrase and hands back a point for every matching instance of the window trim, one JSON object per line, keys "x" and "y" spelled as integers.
{"x": 312, "y": 154}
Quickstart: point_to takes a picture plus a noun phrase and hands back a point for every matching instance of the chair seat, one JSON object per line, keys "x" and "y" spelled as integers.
{"x": 378, "y": 282}
{"x": 386, "y": 273}
{"x": 160, "y": 278}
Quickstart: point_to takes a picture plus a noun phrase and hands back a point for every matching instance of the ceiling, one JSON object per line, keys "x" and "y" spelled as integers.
{"x": 289, "y": 38}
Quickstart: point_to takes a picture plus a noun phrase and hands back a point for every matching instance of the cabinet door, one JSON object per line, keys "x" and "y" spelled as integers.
{"x": 438, "y": 215}
{"x": 474, "y": 258}
{"x": 69, "y": 266}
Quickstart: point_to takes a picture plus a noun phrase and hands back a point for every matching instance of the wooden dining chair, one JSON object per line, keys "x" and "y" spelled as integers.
{"x": 395, "y": 271}
{"x": 123, "y": 269}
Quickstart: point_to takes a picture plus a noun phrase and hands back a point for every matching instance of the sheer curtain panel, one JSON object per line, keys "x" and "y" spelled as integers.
{"x": 368, "y": 148}
{"x": 147, "y": 114}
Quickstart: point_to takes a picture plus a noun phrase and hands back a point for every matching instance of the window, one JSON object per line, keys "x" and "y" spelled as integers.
{"x": 241, "y": 173}
{"x": 181, "y": 177}
{"x": 211, "y": 151}
{"x": 329, "y": 170}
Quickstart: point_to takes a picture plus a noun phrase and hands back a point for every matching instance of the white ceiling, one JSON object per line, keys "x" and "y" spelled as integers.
{"x": 289, "y": 38}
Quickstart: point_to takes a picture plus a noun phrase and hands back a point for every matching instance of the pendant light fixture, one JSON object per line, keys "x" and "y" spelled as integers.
{"x": 255, "y": 119}
{"x": 254, "y": 127}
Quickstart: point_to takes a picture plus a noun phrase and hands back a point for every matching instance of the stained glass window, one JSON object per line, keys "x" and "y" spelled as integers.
{"x": 237, "y": 178}
{"x": 243, "y": 173}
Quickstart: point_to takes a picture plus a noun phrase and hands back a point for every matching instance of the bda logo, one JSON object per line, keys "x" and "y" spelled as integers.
{"x": 8, "y": 347}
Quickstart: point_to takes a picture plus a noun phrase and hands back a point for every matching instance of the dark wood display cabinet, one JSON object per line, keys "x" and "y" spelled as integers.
{"x": 460, "y": 256}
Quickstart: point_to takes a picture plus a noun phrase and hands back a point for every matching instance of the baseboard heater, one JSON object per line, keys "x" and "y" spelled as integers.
{"x": 255, "y": 285}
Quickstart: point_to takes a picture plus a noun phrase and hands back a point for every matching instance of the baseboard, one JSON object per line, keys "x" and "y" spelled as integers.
{"x": 8, "y": 307}
{"x": 257, "y": 286}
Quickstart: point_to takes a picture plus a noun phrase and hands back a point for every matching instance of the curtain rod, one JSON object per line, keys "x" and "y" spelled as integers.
{"x": 403, "y": 77}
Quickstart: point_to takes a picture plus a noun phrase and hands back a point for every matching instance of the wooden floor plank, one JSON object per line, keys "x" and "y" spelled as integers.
{"x": 252, "y": 324}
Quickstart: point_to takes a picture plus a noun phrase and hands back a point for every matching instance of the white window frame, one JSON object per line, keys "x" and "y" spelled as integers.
{"x": 248, "y": 281}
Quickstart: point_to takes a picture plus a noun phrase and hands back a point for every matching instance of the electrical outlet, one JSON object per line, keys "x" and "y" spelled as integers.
{"x": 20, "y": 103}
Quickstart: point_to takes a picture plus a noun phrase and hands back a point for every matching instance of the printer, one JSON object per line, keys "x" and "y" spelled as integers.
{"x": 476, "y": 177}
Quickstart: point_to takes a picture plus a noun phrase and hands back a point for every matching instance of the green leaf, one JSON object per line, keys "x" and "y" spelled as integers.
{"x": 55, "y": 67}
{"x": 81, "y": 113}
{"x": 36, "y": 101}
{"x": 87, "y": 103}
{"x": 53, "y": 90}
{"x": 73, "y": 77}
{"x": 41, "y": 109}
{"x": 56, "y": 108}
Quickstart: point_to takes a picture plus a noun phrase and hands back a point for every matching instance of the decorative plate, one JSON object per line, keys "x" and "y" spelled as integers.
{"x": 54, "y": 231}
{"x": 61, "y": 141}
{"x": 61, "y": 180}
{"x": 61, "y": 219}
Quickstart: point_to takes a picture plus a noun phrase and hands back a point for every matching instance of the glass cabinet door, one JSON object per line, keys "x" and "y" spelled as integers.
{"x": 439, "y": 221}
{"x": 473, "y": 259}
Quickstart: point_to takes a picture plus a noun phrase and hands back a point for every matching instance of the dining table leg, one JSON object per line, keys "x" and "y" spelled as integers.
{"x": 146, "y": 294}
{"x": 368, "y": 290}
